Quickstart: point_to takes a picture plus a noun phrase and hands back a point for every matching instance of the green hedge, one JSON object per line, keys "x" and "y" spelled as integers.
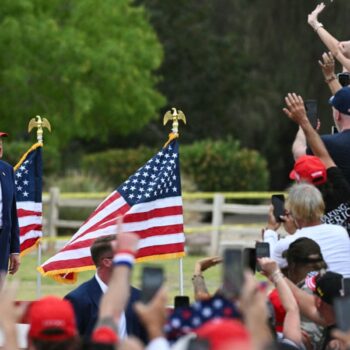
{"x": 224, "y": 166}
{"x": 210, "y": 165}
{"x": 51, "y": 158}
{"x": 116, "y": 165}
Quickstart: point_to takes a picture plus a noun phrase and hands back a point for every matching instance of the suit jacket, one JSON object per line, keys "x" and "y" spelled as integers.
{"x": 9, "y": 237}
{"x": 86, "y": 299}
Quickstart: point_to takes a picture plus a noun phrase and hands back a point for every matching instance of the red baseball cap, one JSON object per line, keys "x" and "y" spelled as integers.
{"x": 224, "y": 333}
{"x": 104, "y": 335}
{"x": 309, "y": 169}
{"x": 3, "y": 134}
{"x": 52, "y": 319}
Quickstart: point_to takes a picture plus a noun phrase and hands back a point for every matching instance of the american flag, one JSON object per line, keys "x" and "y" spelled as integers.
{"x": 150, "y": 204}
{"x": 28, "y": 182}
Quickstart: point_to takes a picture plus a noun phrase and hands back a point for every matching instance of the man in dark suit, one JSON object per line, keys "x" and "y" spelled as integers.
{"x": 86, "y": 298}
{"x": 9, "y": 230}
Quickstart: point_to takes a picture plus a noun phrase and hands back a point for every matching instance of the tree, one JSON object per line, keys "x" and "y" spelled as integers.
{"x": 88, "y": 67}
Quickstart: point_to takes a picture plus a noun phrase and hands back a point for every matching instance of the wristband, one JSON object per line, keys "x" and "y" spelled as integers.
{"x": 318, "y": 26}
{"x": 124, "y": 257}
{"x": 328, "y": 80}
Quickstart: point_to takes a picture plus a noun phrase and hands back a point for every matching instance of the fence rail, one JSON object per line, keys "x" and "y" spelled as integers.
{"x": 54, "y": 200}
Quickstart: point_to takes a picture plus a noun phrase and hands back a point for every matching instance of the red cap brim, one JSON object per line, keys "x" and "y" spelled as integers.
{"x": 292, "y": 175}
{"x": 3, "y": 134}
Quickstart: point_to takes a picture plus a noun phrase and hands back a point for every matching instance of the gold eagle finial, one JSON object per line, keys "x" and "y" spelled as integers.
{"x": 39, "y": 123}
{"x": 174, "y": 115}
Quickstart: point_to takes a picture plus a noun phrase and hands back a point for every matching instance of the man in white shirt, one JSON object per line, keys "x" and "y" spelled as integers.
{"x": 86, "y": 298}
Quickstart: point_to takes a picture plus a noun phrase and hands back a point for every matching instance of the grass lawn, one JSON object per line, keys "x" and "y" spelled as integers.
{"x": 27, "y": 275}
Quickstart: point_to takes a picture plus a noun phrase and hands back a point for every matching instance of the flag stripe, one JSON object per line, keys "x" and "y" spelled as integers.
{"x": 33, "y": 227}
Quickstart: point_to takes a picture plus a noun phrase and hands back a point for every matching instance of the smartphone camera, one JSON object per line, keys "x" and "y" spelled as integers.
{"x": 152, "y": 280}
{"x": 311, "y": 112}
{"x": 277, "y": 201}
{"x": 344, "y": 78}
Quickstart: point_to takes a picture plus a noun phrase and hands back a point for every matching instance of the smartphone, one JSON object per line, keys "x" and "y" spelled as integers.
{"x": 334, "y": 130}
{"x": 342, "y": 313}
{"x": 249, "y": 258}
{"x": 346, "y": 287}
{"x": 277, "y": 201}
{"x": 311, "y": 111}
{"x": 198, "y": 344}
{"x": 262, "y": 251}
{"x": 181, "y": 301}
{"x": 232, "y": 272}
{"x": 152, "y": 280}
{"x": 344, "y": 78}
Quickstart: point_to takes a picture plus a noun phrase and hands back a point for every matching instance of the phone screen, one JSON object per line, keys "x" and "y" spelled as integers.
{"x": 346, "y": 286}
{"x": 152, "y": 280}
{"x": 249, "y": 258}
{"x": 198, "y": 344}
{"x": 262, "y": 251}
{"x": 181, "y": 301}
{"x": 342, "y": 313}
{"x": 311, "y": 111}
{"x": 232, "y": 272}
{"x": 277, "y": 201}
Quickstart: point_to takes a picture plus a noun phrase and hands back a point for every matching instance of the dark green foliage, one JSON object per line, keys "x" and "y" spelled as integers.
{"x": 86, "y": 66}
{"x": 229, "y": 63}
{"x": 211, "y": 165}
{"x": 224, "y": 166}
{"x": 51, "y": 158}
{"x": 115, "y": 166}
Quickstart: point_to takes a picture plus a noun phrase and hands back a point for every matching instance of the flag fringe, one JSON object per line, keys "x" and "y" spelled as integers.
{"x": 56, "y": 274}
{"x": 161, "y": 257}
{"x": 35, "y": 146}
{"x": 31, "y": 248}
{"x": 172, "y": 136}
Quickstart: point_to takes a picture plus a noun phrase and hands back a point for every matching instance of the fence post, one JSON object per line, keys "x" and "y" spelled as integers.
{"x": 53, "y": 216}
{"x": 217, "y": 221}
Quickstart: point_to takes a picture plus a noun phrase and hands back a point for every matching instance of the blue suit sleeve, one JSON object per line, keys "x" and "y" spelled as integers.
{"x": 14, "y": 243}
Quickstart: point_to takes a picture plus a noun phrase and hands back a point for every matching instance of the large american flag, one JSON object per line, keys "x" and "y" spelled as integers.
{"x": 28, "y": 182}
{"x": 150, "y": 204}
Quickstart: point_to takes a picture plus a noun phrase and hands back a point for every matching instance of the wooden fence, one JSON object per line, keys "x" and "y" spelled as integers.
{"x": 214, "y": 203}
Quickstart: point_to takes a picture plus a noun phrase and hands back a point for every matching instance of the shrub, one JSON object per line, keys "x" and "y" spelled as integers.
{"x": 116, "y": 165}
{"x": 224, "y": 166}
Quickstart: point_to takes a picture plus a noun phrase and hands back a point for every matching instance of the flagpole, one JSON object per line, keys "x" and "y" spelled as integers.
{"x": 175, "y": 115}
{"x": 181, "y": 276}
{"x": 38, "y": 274}
{"x": 39, "y": 123}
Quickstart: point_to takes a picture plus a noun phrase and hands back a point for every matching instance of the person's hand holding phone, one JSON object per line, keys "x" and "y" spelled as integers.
{"x": 268, "y": 266}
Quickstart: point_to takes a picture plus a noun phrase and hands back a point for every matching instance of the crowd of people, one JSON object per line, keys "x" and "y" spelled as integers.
{"x": 301, "y": 303}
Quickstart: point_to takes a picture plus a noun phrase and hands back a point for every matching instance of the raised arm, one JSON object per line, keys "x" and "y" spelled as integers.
{"x": 291, "y": 324}
{"x": 296, "y": 111}
{"x": 328, "y": 39}
{"x": 114, "y": 301}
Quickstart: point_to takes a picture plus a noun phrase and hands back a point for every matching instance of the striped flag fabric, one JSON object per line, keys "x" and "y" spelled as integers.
{"x": 150, "y": 204}
{"x": 28, "y": 182}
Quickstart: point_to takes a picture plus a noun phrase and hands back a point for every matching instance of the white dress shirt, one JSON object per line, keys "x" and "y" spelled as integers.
{"x": 122, "y": 321}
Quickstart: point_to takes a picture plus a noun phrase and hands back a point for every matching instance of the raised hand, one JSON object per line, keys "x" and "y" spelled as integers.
{"x": 313, "y": 16}
{"x": 327, "y": 66}
{"x": 344, "y": 47}
{"x": 295, "y": 108}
